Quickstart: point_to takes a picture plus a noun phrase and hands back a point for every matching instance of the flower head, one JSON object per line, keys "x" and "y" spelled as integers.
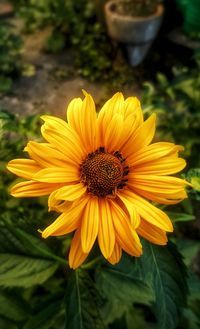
{"x": 99, "y": 171}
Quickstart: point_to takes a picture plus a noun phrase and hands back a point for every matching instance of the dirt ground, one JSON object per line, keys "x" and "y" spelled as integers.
{"x": 54, "y": 82}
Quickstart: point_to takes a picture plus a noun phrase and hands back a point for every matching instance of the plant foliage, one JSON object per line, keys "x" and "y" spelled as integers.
{"x": 164, "y": 269}
{"x": 81, "y": 303}
{"x": 75, "y": 24}
{"x": 10, "y": 56}
{"x": 178, "y": 101}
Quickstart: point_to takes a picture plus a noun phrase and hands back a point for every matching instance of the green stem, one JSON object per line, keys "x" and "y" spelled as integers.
{"x": 91, "y": 263}
{"x": 59, "y": 259}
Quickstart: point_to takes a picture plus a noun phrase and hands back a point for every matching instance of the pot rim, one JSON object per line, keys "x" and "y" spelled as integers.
{"x": 109, "y": 9}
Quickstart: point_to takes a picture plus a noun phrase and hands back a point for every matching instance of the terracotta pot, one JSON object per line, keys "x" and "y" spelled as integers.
{"x": 6, "y": 9}
{"x": 137, "y": 33}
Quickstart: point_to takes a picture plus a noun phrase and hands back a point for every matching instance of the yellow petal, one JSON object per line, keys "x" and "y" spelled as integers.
{"x": 63, "y": 206}
{"x": 70, "y": 192}
{"x": 24, "y": 168}
{"x": 116, "y": 254}
{"x": 76, "y": 254}
{"x": 53, "y": 203}
{"x": 55, "y": 123}
{"x": 62, "y": 225}
{"x": 165, "y": 198}
{"x": 57, "y": 175}
{"x": 169, "y": 182}
{"x": 129, "y": 116}
{"x": 106, "y": 234}
{"x": 157, "y": 198}
{"x": 113, "y": 106}
{"x": 45, "y": 155}
{"x": 62, "y": 128}
{"x": 150, "y": 213}
{"x": 125, "y": 235}
{"x": 163, "y": 192}
{"x": 112, "y": 133}
{"x": 152, "y": 152}
{"x": 130, "y": 124}
{"x": 164, "y": 166}
{"x": 142, "y": 137}
{"x": 74, "y": 114}
{"x": 82, "y": 117}
{"x": 132, "y": 105}
{"x": 58, "y": 205}
{"x": 88, "y": 121}
{"x": 68, "y": 144}
{"x": 90, "y": 224}
{"x": 152, "y": 233}
{"x": 129, "y": 205}
{"x": 68, "y": 221}
{"x": 31, "y": 189}
{"x": 163, "y": 186}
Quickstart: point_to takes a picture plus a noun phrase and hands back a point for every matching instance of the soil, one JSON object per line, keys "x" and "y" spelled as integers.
{"x": 136, "y": 8}
{"x": 54, "y": 82}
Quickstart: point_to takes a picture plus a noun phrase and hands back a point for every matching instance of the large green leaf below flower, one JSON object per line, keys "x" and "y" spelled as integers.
{"x": 164, "y": 270}
{"x": 25, "y": 260}
{"x": 82, "y": 310}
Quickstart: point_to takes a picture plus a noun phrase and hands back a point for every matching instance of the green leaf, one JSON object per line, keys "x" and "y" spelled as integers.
{"x": 5, "y": 84}
{"x": 186, "y": 85}
{"x": 188, "y": 248}
{"x": 13, "y": 238}
{"x": 191, "y": 319}
{"x": 194, "y": 287}
{"x": 34, "y": 245}
{"x": 195, "y": 181}
{"x": 180, "y": 217}
{"x": 81, "y": 303}
{"x": 7, "y": 324}
{"x": 12, "y": 306}
{"x": 28, "y": 70}
{"x": 120, "y": 282}
{"x": 164, "y": 269}
{"x": 24, "y": 271}
{"x": 112, "y": 310}
{"x": 162, "y": 80}
{"x": 46, "y": 318}
{"x": 137, "y": 316}
{"x": 194, "y": 177}
{"x": 9, "y": 242}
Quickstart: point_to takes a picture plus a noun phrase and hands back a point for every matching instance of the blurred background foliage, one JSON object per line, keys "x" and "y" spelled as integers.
{"x": 75, "y": 24}
{"x": 162, "y": 288}
{"x": 10, "y": 56}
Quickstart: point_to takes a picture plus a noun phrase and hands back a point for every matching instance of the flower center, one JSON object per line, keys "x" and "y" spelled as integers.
{"x": 103, "y": 173}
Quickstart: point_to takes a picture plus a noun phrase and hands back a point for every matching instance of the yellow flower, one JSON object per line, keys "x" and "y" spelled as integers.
{"x": 99, "y": 171}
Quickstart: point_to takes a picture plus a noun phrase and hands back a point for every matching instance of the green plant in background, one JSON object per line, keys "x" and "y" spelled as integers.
{"x": 178, "y": 103}
{"x": 75, "y": 24}
{"x": 88, "y": 37}
{"x": 10, "y": 56}
{"x": 26, "y": 263}
{"x": 137, "y": 7}
{"x": 37, "y": 14}
{"x": 190, "y": 10}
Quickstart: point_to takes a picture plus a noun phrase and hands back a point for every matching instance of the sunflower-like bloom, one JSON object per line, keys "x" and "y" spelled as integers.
{"x": 99, "y": 171}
